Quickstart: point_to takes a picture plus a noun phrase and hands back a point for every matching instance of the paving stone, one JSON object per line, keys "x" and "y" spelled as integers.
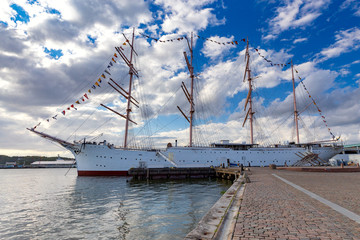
{"x": 272, "y": 209}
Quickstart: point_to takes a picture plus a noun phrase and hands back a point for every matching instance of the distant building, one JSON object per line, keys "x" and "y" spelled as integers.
{"x": 10, "y": 164}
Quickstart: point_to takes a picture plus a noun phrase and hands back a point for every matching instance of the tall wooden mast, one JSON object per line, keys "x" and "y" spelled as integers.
{"x": 248, "y": 101}
{"x": 192, "y": 110}
{"x": 189, "y": 95}
{"x": 296, "y": 114}
{"x": 128, "y": 109}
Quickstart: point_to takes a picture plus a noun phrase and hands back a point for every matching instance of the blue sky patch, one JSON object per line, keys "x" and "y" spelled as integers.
{"x": 3, "y": 24}
{"x": 21, "y": 14}
{"x": 53, "y": 11}
{"x": 53, "y": 53}
{"x": 31, "y": 2}
{"x": 91, "y": 39}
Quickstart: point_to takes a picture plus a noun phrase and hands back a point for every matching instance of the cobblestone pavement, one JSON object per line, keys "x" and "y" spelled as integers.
{"x": 340, "y": 188}
{"x": 271, "y": 209}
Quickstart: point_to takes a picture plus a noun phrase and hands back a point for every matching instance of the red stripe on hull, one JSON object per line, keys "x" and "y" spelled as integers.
{"x": 102, "y": 173}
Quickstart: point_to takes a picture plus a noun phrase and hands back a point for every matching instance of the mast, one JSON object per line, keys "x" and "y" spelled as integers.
{"x": 296, "y": 114}
{"x": 128, "y": 109}
{"x": 248, "y": 101}
{"x": 189, "y": 95}
{"x": 192, "y": 90}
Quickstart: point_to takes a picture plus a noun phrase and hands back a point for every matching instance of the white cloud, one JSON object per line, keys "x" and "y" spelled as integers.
{"x": 353, "y": 4}
{"x": 214, "y": 50}
{"x": 346, "y": 41}
{"x": 295, "y": 14}
{"x": 187, "y": 16}
{"x": 300, "y": 40}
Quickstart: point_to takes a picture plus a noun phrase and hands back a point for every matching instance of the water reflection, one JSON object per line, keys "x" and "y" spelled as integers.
{"x": 124, "y": 227}
{"x": 45, "y": 204}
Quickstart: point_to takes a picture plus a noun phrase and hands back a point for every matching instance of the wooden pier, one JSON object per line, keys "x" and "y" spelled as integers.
{"x": 183, "y": 173}
{"x": 231, "y": 173}
{"x": 170, "y": 173}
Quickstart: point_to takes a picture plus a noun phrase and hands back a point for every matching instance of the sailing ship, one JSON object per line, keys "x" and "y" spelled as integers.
{"x": 101, "y": 159}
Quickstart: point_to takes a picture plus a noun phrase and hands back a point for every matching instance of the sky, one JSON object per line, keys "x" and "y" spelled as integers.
{"x": 53, "y": 52}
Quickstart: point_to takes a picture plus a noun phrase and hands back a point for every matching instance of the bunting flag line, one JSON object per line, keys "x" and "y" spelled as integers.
{"x": 163, "y": 41}
{"x": 237, "y": 42}
{"x": 271, "y": 62}
{"x": 96, "y": 84}
{"x": 37, "y": 125}
{"x": 318, "y": 109}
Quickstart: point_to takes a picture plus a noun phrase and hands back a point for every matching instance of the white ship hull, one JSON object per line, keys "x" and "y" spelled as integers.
{"x": 97, "y": 160}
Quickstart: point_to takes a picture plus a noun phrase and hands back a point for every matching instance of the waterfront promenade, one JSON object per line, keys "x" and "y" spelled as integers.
{"x": 273, "y": 209}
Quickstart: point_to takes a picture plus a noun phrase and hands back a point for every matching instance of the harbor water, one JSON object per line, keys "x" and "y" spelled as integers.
{"x": 46, "y": 204}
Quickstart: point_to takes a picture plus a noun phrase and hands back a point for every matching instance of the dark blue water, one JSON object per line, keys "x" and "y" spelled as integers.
{"x": 46, "y": 204}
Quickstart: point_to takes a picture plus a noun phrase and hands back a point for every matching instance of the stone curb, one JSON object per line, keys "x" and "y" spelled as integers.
{"x": 212, "y": 224}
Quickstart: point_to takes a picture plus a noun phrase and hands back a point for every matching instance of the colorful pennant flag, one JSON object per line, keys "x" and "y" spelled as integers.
{"x": 320, "y": 113}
